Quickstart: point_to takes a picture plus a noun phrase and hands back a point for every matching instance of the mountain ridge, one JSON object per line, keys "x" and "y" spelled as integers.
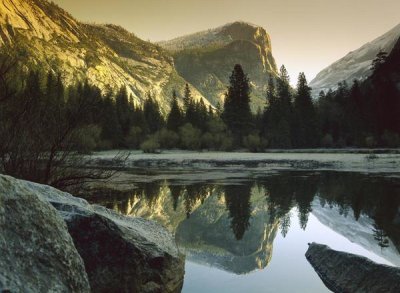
{"x": 55, "y": 41}
{"x": 111, "y": 57}
{"x": 355, "y": 64}
{"x": 206, "y": 58}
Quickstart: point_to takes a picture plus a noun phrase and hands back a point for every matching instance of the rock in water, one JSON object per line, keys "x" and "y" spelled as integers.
{"x": 345, "y": 272}
{"x": 121, "y": 254}
{"x": 37, "y": 253}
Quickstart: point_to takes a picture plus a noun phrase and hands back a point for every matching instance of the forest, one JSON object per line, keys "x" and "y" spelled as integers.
{"x": 43, "y": 122}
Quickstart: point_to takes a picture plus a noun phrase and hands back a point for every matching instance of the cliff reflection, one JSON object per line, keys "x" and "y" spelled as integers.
{"x": 233, "y": 225}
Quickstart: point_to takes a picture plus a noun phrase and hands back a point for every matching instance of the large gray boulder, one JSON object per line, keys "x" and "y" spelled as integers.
{"x": 37, "y": 254}
{"x": 121, "y": 254}
{"x": 345, "y": 272}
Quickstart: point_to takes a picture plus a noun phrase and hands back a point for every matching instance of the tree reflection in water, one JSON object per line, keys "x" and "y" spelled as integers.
{"x": 375, "y": 197}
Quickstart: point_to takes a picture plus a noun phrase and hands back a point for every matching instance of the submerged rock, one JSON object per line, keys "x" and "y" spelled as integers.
{"x": 345, "y": 272}
{"x": 37, "y": 253}
{"x": 121, "y": 254}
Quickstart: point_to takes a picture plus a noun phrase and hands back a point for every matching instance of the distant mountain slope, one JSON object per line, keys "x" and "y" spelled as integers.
{"x": 107, "y": 55}
{"x": 356, "y": 64}
{"x": 207, "y": 58}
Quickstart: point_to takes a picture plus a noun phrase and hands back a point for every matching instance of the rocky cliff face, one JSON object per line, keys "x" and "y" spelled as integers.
{"x": 356, "y": 64}
{"x": 111, "y": 57}
{"x": 108, "y": 56}
{"x": 206, "y": 59}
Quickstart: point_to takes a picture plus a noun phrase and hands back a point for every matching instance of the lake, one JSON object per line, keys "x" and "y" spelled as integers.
{"x": 250, "y": 233}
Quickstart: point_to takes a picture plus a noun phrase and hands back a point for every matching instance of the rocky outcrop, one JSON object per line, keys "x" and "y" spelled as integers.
{"x": 345, "y": 272}
{"x": 120, "y": 254}
{"x": 36, "y": 252}
{"x": 206, "y": 59}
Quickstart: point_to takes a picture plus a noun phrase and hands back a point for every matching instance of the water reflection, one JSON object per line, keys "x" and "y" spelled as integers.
{"x": 232, "y": 225}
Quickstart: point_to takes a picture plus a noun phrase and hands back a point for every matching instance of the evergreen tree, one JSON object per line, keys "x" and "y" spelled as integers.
{"x": 278, "y": 115}
{"x": 123, "y": 113}
{"x": 152, "y": 115}
{"x": 237, "y": 114}
{"x": 305, "y": 127}
{"x": 187, "y": 98}
{"x": 175, "y": 117}
{"x": 355, "y": 115}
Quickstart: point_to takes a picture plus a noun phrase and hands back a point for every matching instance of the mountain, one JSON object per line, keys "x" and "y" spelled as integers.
{"x": 206, "y": 59}
{"x": 106, "y": 55}
{"x": 390, "y": 70}
{"x": 356, "y": 64}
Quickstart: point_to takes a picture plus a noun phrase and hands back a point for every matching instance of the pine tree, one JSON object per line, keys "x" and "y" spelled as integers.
{"x": 123, "y": 112}
{"x": 187, "y": 98}
{"x": 111, "y": 128}
{"x": 237, "y": 114}
{"x": 355, "y": 115}
{"x": 278, "y": 114}
{"x": 175, "y": 117}
{"x": 190, "y": 107}
{"x": 152, "y": 115}
{"x": 305, "y": 127}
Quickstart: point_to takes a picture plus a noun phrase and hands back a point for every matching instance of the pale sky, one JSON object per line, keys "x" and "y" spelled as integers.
{"x": 307, "y": 35}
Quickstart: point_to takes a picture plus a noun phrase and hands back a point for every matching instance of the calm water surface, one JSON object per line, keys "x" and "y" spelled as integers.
{"x": 251, "y": 234}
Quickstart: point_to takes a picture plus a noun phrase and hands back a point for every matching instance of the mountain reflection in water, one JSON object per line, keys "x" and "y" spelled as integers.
{"x": 232, "y": 225}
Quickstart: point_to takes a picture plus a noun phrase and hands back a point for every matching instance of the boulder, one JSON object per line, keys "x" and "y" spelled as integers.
{"x": 121, "y": 254}
{"x": 345, "y": 272}
{"x": 37, "y": 254}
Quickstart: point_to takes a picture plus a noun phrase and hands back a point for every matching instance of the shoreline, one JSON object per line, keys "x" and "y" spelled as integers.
{"x": 241, "y": 161}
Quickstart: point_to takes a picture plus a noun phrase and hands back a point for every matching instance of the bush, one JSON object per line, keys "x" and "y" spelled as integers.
{"x": 253, "y": 143}
{"x": 207, "y": 141}
{"x": 190, "y": 137}
{"x": 150, "y": 145}
{"x": 216, "y": 126}
{"x": 168, "y": 139}
{"x": 134, "y": 137}
{"x": 226, "y": 143}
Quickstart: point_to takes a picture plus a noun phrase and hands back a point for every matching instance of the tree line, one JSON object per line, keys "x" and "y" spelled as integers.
{"x": 43, "y": 122}
{"x": 350, "y": 194}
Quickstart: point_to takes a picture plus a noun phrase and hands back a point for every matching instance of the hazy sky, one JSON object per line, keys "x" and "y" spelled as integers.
{"x": 307, "y": 35}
